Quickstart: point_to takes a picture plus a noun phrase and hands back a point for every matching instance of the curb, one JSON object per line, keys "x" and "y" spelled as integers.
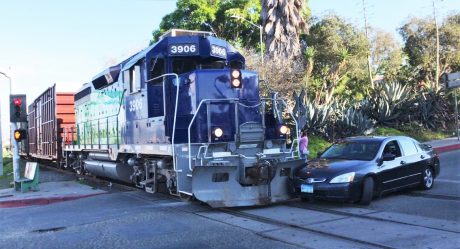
{"x": 446, "y": 148}
{"x": 42, "y": 201}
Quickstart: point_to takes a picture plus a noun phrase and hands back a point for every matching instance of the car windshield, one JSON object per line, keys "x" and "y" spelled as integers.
{"x": 353, "y": 150}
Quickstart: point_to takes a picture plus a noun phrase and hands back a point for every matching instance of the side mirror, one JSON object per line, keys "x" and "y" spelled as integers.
{"x": 428, "y": 146}
{"x": 388, "y": 157}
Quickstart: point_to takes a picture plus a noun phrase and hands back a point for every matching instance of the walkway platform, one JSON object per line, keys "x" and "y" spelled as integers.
{"x": 50, "y": 192}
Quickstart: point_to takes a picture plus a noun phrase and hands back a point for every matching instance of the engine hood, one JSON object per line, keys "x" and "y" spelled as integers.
{"x": 328, "y": 168}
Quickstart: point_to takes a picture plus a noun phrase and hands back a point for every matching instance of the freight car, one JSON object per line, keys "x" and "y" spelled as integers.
{"x": 183, "y": 116}
{"x": 48, "y": 116}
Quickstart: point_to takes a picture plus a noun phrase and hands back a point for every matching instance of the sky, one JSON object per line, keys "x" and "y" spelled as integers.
{"x": 43, "y": 42}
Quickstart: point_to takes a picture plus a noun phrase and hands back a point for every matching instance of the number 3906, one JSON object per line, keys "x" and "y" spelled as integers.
{"x": 182, "y": 49}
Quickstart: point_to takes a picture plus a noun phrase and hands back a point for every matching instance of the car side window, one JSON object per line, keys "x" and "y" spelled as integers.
{"x": 408, "y": 146}
{"x": 392, "y": 147}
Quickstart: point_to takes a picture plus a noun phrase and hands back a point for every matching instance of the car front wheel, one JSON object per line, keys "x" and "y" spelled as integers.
{"x": 368, "y": 191}
{"x": 428, "y": 179}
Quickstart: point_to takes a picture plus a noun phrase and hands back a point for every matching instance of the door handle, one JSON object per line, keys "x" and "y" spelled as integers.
{"x": 422, "y": 157}
{"x": 403, "y": 162}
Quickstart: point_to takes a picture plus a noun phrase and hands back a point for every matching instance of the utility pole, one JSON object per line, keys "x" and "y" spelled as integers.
{"x": 369, "y": 68}
{"x": 437, "y": 44}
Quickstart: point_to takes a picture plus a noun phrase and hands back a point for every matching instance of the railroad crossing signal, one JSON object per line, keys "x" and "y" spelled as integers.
{"x": 20, "y": 134}
{"x": 18, "y": 110}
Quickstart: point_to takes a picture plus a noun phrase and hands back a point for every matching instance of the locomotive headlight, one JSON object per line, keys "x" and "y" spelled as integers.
{"x": 283, "y": 129}
{"x": 236, "y": 83}
{"x": 235, "y": 78}
{"x": 236, "y": 74}
{"x": 218, "y": 132}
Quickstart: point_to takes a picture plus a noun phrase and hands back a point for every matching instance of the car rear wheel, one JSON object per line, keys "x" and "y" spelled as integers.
{"x": 428, "y": 179}
{"x": 368, "y": 191}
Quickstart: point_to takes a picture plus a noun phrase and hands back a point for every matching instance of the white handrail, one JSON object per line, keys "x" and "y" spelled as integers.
{"x": 292, "y": 116}
{"x": 296, "y": 125}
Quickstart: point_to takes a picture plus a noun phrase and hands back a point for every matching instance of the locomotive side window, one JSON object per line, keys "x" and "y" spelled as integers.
{"x": 135, "y": 79}
{"x": 126, "y": 79}
{"x": 157, "y": 69}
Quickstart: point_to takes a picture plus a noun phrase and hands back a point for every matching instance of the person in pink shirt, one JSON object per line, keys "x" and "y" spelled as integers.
{"x": 303, "y": 145}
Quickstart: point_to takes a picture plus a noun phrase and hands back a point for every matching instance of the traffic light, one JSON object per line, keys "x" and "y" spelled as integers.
{"x": 18, "y": 110}
{"x": 20, "y": 134}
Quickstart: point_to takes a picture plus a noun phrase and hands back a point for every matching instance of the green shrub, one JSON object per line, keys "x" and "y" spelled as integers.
{"x": 316, "y": 144}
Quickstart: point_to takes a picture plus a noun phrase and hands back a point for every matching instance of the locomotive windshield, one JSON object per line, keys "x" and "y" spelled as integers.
{"x": 185, "y": 65}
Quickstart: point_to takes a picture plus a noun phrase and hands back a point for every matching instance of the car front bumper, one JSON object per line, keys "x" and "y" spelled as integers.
{"x": 325, "y": 190}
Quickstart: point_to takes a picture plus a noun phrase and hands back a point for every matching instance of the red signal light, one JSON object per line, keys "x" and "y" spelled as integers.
{"x": 17, "y": 102}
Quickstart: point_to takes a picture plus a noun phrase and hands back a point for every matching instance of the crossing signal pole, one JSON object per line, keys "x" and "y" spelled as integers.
{"x": 18, "y": 113}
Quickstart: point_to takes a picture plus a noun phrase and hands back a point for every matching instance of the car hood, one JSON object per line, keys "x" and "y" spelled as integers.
{"x": 328, "y": 168}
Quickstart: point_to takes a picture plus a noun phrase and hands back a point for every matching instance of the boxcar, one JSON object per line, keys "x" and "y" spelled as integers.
{"x": 48, "y": 115}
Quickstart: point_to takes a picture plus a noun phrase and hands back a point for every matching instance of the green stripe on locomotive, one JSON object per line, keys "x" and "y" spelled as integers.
{"x": 97, "y": 118}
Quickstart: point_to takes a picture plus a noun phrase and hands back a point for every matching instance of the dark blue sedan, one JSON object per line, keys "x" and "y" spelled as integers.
{"x": 358, "y": 168}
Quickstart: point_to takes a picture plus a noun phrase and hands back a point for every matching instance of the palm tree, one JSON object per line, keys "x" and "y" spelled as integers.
{"x": 283, "y": 22}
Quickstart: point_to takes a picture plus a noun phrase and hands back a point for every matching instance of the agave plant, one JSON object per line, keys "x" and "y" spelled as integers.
{"x": 353, "y": 122}
{"x": 389, "y": 104}
{"x": 432, "y": 109}
{"x": 311, "y": 116}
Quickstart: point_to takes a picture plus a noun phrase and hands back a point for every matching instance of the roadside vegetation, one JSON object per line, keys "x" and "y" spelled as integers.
{"x": 7, "y": 176}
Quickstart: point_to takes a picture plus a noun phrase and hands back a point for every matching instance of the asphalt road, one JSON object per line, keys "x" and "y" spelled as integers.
{"x": 133, "y": 219}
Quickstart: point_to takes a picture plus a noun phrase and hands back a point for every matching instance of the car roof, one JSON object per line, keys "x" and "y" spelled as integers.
{"x": 373, "y": 138}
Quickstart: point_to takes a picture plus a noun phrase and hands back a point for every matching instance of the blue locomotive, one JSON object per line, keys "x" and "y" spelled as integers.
{"x": 183, "y": 116}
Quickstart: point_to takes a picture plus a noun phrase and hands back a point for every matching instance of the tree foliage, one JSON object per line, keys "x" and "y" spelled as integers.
{"x": 216, "y": 16}
{"x": 419, "y": 37}
{"x": 387, "y": 55}
{"x": 336, "y": 57}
